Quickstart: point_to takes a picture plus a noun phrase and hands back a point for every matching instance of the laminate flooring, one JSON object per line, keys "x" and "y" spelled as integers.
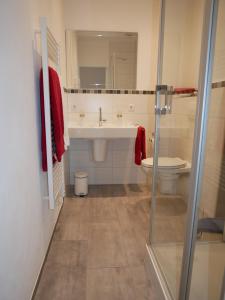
{"x": 98, "y": 246}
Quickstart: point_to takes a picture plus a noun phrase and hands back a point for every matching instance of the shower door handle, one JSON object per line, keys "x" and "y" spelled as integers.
{"x": 167, "y": 91}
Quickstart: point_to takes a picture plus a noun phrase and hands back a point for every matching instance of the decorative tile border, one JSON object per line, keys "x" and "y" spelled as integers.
{"x": 98, "y": 91}
{"x": 219, "y": 84}
{"x": 215, "y": 85}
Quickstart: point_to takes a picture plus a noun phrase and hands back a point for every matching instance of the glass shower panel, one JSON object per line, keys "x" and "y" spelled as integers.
{"x": 174, "y": 132}
{"x": 209, "y": 256}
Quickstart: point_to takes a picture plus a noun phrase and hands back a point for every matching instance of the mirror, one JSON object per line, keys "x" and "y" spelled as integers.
{"x": 101, "y": 59}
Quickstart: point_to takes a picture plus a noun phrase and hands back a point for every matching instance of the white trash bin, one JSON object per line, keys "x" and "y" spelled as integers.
{"x": 81, "y": 184}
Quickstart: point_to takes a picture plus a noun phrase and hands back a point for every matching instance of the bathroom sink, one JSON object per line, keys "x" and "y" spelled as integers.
{"x": 106, "y": 131}
{"x": 100, "y": 135}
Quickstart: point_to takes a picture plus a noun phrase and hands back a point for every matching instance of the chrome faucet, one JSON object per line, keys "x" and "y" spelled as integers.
{"x": 100, "y": 117}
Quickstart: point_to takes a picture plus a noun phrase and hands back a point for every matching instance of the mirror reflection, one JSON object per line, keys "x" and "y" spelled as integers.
{"x": 101, "y": 59}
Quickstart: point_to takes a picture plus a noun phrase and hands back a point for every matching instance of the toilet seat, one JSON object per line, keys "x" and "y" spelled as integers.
{"x": 169, "y": 171}
{"x": 165, "y": 162}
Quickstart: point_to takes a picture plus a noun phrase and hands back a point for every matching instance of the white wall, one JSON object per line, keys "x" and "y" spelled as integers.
{"x": 107, "y": 15}
{"x": 182, "y": 41}
{"x": 26, "y": 223}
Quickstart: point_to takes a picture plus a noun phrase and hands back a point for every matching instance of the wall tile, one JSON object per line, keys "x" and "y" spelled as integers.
{"x": 214, "y": 156}
{"x": 123, "y": 158}
{"x": 84, "y": 158}
{"x": 129, "y": 175}
{"x": 100, "y": 176}
{"x": 79, "y": 144}
{"x": 217, "y": 107}
{"x": 142, "y": 104}
{"x": 80, "y": 158}
{"x": 123, "y": 144}
{"x": 90, "y": 103}
{"x": 89, "y": 118}
{"x": 184, "y": 106}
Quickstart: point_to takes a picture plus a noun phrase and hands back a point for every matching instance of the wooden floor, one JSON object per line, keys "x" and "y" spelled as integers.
{"x": 98, "y": 247}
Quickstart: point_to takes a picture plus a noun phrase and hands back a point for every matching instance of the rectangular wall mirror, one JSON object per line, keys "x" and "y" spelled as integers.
{"x": 101, "y": 59}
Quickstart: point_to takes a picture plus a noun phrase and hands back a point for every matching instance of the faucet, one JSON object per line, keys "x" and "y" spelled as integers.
{"x": 100, "y": 117}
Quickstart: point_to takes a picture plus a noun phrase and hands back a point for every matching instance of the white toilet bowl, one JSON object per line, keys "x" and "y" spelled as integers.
{"x": 169, "y": 170}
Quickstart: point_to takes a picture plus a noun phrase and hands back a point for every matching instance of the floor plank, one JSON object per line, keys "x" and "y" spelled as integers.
{"x": 105, "y": 246}
{"x": 68, "y": 254}
{"x": 62, "y": 283}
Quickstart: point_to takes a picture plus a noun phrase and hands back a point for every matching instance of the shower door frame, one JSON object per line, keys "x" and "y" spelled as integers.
{"x": 204, "y": 89}
{"x": 201, "y": 121}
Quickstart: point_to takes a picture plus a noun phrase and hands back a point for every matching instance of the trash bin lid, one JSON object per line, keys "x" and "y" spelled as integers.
{"x": 81, "y": 175}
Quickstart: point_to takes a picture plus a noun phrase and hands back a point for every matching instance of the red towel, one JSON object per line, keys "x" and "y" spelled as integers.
{"x": 57, "y": 122}
{"x": 140, "y": 146}
{"x": 185, "y": 90}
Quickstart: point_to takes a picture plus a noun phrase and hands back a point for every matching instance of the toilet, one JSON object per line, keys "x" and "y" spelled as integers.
{"x": 169, "y": 171}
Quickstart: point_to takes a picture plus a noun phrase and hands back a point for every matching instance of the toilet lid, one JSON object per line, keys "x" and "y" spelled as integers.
{"x": 165, "y": 162}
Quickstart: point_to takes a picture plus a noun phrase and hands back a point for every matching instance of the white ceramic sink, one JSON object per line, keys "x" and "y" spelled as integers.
{"x": 100, "y": 134}
{"x": 107, "y": 131}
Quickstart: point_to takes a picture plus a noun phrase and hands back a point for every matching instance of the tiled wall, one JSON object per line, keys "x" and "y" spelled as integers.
{"x": 178, "y": 141}
{"x": 119, "y": 167}
{"x": 177, "y": 128}
{"x": 213, "y": 178}
{"x": 177, "y": 135}
{"x": 213, "y": 192}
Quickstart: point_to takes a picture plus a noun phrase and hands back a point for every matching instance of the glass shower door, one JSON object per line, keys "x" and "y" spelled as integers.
{"x": 178, "y": 68}
{"x": 208, "y": 271}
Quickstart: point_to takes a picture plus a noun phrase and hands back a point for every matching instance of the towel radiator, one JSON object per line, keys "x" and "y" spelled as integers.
{"x": 50, "y": 53}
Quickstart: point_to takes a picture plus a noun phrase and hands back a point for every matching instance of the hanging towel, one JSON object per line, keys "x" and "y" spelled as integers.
{"x": 140, "y": 146}
{"x": 57, "y": 122}
{"x": 184, "y": 90}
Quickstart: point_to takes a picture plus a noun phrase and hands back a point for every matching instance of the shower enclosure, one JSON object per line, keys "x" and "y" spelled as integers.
{"x": 186, "y": 244}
